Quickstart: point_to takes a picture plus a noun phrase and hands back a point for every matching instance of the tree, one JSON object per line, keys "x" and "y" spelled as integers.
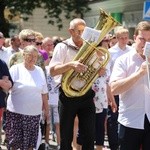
{"x": 53, "y": 8}
{"x": 4, "y": 25}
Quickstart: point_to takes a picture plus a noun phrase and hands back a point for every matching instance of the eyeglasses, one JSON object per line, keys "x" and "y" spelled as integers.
{"x": 50, "y": 44}
{"x": 105, "y": 40}
{"x": 78, "y": 31}
{"x": 38, "y": 43}
{"x": 29, "y": 40}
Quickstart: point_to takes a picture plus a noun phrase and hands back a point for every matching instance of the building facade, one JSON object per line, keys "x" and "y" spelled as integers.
{"x": 128, "y": 12}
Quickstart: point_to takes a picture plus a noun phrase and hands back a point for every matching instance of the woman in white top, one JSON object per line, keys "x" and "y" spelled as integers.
{"x": 25, "y": 102}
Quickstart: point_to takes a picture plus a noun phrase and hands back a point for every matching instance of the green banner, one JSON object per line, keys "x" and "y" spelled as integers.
{"x": 117, "y": 16}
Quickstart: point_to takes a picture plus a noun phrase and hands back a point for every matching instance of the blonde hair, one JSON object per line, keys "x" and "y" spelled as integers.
{"x": 121, "y": 30}
{"x": 38, "y": 35}
{"x": 25, "y": 33}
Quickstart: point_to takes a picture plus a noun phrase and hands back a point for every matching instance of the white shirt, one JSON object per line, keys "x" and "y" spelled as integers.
{"x": 25, "y": 96}
{"x": 11, "y": 51}
{"x": 61, "y": 55}
{"x": 135, "y": 102}
{"x": 53, "y": 89}
{"x": 4, "y": 54}
{"x": 116, "y": 52}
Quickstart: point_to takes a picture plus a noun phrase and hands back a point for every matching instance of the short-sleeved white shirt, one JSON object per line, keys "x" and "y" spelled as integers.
{"x": 63, "y": 54}
{"x": 25, "y": 96}
{"x": 135, "y": 102}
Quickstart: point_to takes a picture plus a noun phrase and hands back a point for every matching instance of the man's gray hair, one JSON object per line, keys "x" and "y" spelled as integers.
{"x": 75, "y": 22}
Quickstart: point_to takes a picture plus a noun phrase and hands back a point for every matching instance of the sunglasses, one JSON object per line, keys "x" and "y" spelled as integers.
{"x": 38, "y": 43}
{"x": 29, "y": 40}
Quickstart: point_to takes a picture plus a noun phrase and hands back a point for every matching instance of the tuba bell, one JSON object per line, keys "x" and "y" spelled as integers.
{"x": 76, "y": 84}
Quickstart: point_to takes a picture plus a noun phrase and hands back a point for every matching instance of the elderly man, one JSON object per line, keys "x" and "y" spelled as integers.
{"x": 70, "y": 107}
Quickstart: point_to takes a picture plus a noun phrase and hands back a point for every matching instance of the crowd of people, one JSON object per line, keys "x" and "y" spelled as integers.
{"x": 116, "y": 105}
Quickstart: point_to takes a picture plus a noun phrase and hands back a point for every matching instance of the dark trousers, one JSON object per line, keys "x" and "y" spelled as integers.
{"x": 99, "y": 129}
{"x": 135, "y": 139}
{"x": 112, "y": 126}
{"x": 84, "y": 108}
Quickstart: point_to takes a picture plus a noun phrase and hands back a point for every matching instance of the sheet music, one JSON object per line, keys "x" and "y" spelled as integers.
{"x": 147, "y": 49}
{"x": 90, "y": 34}
{"x": 147, "y": 55}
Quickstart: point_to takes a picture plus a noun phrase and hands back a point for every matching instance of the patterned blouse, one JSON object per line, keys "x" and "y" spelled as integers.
{"x": 100, "y": 88}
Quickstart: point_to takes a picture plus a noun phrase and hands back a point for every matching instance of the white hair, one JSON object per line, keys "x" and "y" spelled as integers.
{"x": 75, "y": 22}
{"x": 29, "y": 49}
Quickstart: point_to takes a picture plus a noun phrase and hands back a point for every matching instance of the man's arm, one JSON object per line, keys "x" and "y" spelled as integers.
{"x": 60, "y": 69}
{"x": 111, "y": 99}
{"x": 121, "y": 85}
{"x": 5, "y": 83}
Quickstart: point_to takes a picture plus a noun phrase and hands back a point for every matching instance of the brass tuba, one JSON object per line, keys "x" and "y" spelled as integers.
{"x": 76, "y": 84}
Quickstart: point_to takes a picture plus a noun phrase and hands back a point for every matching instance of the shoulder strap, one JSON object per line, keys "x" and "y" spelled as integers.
{"x": 69, "y": 45}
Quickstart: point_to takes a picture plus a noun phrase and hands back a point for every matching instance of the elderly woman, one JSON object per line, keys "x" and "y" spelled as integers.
{"x": 25, "y": 102}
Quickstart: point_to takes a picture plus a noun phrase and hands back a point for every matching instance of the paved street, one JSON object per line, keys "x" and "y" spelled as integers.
{"x": 53, "y": 145}
{"x": 3, "y": 146}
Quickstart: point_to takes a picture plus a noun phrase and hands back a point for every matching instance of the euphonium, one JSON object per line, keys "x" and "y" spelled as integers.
{"x": 76, "y": 84}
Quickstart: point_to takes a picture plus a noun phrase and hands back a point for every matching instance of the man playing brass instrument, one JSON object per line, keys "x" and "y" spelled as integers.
{"x": 70, "y": 107}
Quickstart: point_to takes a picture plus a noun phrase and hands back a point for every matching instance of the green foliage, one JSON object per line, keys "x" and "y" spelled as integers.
{"x": 53, "y": 8}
